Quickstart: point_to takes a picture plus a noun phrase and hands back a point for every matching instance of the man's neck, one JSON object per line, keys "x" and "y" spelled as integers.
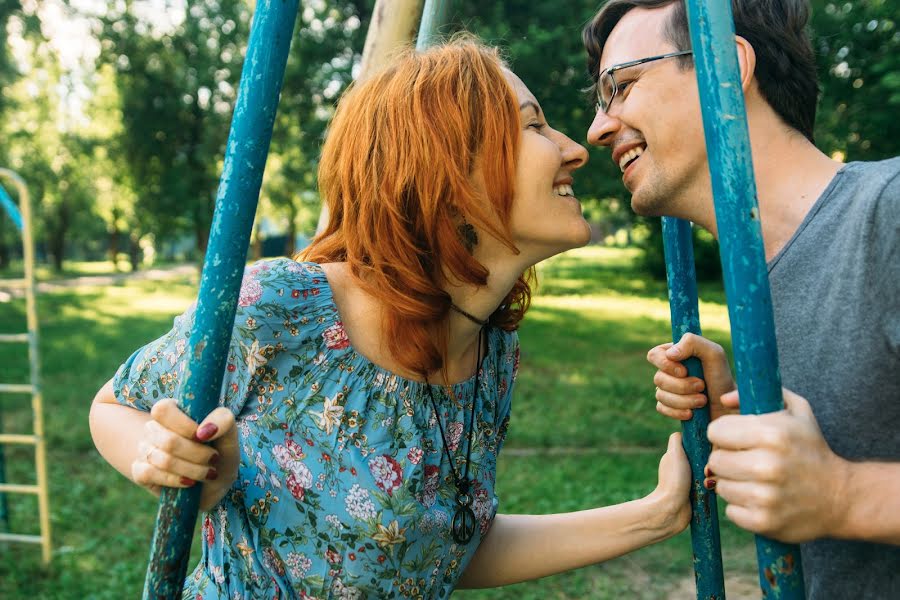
{"x": 791, "y": 175}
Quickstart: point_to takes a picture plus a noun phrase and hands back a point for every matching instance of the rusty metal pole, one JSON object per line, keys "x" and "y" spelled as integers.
{"x": 223, "y": 268}
{"x": 743, "y": 256}
{"x": 683, "y": 305}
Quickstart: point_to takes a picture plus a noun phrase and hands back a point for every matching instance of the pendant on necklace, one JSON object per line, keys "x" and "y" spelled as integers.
{"x": 464, "y": 518}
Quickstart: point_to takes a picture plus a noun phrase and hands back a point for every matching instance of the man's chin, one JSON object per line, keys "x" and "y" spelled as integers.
{"x": 644, "y": 208}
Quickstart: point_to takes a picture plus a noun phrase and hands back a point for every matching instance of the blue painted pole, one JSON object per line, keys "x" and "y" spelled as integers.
{"x": 742, "y": 251}
{"x": 11, "y": 209}
{"x": 226, "y": 255}
{"x": 434, "y": 16}
{"x": 683, "y": 305}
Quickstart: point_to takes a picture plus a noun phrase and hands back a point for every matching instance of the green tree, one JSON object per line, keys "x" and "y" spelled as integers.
{"x": 858, "y": 50}
{"x": 8, "y": 74}
{"x": 114, "y": 196}
{"x": 42, "y": 147}
{"x": 324, "y": 50}
{"x": 177, "y": 90}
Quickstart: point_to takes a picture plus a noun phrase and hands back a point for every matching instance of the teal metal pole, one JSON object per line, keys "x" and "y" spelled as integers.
{"x": 683, "y": 305}
{"x": 742, "y": 251}
{"x": 11, "y": 209}
{"x": 434, "y": 16}
{"x": 226, "y": 255}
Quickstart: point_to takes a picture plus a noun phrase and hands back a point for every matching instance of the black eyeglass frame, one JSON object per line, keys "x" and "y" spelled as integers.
{"x": 610, "y": 71}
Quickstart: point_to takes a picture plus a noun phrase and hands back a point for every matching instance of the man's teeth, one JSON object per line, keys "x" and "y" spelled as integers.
{"x": 564, "y": 190}
{"x": 629, "y": 156}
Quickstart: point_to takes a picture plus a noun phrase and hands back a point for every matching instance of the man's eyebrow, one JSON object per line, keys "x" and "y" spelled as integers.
{"x": 530, "y": 104}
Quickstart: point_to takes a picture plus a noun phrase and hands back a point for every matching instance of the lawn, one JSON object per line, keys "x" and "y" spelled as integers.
{"x": 583, "y": 433}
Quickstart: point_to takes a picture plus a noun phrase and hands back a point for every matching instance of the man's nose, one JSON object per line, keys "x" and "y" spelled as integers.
{"x": 603, "y": 129}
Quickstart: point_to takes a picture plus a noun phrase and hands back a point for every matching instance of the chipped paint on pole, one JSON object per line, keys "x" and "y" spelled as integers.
{"x": 226, "y": 255}
{"x": 742, "y": 252}
{"x": 683, "y": 305}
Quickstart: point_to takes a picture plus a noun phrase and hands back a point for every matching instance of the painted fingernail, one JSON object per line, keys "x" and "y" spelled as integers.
{"x": 707, "y": 471}
{"x": 214, "y": 459}
{"x": 709, "y": 484}
{"x": 206, "y": 431}
{"x": 187, "y": 482}
{"x": 212, "y": 474}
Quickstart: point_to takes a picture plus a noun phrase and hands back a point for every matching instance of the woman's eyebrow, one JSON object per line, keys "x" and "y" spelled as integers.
{"x": 530, "y": 104}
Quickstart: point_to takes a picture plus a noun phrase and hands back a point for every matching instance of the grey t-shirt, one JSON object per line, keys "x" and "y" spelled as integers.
{"x": 836, "y": 297}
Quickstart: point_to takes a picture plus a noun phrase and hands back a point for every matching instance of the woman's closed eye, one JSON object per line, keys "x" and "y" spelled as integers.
{"x": 536, "y": 125}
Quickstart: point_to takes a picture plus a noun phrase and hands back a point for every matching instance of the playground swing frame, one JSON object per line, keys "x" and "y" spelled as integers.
{"x": 743, "y": 264}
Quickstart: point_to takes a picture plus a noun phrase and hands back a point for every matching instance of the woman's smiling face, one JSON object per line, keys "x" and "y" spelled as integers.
{"x": 546, "y": 217}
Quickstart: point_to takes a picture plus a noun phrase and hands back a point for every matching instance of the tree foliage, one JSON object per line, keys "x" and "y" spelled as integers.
{"x": 177, "y": 91}
{"x": 146, "y": 161}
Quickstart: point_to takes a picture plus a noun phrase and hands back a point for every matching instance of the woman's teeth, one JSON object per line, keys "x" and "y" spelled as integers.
{"x": 629, "y": 156}
{"x": 564, "y": 190}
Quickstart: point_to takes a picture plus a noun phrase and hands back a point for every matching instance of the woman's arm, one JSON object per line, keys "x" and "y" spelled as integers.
{"x": 165, "y": 447}
{"x": 522, "y": 547}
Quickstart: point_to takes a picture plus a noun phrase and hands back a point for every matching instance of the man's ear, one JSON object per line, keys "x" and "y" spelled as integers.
{"x": 746, "y": 61}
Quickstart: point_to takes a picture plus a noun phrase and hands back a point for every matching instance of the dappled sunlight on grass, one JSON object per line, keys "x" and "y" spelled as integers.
{"x": 609, "y": 272}
{"x": 598, "y": 307}
{"x": 583, "y": 383}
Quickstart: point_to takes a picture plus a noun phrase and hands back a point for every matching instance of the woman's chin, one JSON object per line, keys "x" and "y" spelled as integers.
{"x": 585, "y": 237}
{"x": 577, "y": 239}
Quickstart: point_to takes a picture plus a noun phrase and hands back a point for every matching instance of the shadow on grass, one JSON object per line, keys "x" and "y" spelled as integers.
{"x": 584, "y": 381}
{"x": 588, "y": 271}
{"x": 101, "y": 524}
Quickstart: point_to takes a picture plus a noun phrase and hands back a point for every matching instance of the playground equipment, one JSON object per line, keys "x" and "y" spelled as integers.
{"x": 22, "y": 219}
{"x": 238, "y": 195}
{"x": 712, "y": 34}
{"x": 743, "y": 257}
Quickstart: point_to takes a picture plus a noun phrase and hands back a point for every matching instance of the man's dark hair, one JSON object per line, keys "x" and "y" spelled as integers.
{"x": 785, "y": 64}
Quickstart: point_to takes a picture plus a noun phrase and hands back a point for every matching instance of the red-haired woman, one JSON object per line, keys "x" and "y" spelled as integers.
{"x": 368, "y": 386}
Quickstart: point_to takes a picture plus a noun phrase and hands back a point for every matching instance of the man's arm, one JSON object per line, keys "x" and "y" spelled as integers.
{"x": 872, "y": 499}
{"x": 523, "y": 547}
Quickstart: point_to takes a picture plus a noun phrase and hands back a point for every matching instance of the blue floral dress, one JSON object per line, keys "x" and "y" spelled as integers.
{"x": 344, "y": 490}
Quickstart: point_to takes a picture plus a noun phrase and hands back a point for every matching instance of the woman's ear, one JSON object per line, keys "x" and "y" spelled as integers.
{"x": 746, "y": 61}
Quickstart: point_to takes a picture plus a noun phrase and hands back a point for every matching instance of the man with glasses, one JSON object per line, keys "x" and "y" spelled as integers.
{"x": 826, "y": 471}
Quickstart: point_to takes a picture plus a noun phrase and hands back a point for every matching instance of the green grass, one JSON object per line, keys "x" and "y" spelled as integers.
{"x": 584, "y": 386}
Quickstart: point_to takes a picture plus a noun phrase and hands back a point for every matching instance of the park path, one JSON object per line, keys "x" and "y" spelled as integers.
{"x": 737, "y": 587}
{"x": 152, "y": 274}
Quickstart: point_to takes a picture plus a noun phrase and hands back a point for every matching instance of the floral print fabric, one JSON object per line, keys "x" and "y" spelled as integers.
{"x": 344, "y": 490}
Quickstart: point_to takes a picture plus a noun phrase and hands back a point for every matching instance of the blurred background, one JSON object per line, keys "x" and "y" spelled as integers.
{"x": 116, "y": 114}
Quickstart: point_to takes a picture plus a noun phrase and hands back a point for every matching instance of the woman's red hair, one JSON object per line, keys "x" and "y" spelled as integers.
{"x": 412, "y": 150}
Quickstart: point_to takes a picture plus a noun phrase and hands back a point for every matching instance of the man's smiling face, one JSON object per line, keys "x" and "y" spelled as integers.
{"x": 653, "y": 126}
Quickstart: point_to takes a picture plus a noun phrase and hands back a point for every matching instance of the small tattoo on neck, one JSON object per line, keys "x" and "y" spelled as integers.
{"x": 468, "y": 236}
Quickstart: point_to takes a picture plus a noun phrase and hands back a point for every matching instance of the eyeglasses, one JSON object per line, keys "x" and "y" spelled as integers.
{"x": 608, "y": 88}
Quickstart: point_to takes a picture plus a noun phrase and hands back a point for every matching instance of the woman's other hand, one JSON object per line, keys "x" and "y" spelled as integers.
{"x": 672, "y": 493}
{"x": 176, "y": 452}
